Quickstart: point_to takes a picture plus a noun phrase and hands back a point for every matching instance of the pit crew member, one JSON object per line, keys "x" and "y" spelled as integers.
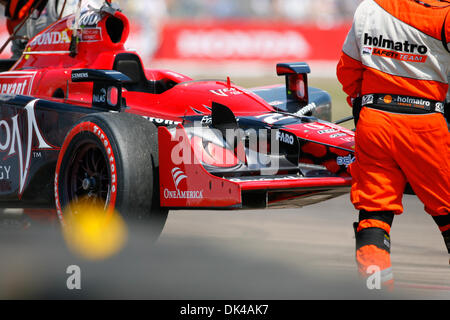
{"x": 394, "y": 67}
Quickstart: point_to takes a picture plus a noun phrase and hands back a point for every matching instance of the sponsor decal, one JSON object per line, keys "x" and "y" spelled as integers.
{"x": 159, "y": 121}
{"x": 16, "y": 82}
{"x": 273, "y": 118}
{"x": 308, "y": 108}
{"x": 336, "y": 135}
{"x": 399, "y": 56}
{"x": 112, "y": 161}
{"x": 101, "y": 97}
{"x": 384, "y": 43}
{"x": 91, "y": 35}
{"x": 387, "y": 99}
{"x": 79, "y": 75}
{"x": 326, "y": 131}
{"x": 285, "y": 137}
{"x": 226, "y": 92}
{"x": 439, "y": 107}
{"x": 14, "y": 88}
{"x": 336, "y": 130}
{"x": 51, "y": 38}
{"x": 407, "y": 101}
{"x": 206, "y": 120}
{"x": 387, "y": 48}
{"x": 367, "y": 51}
{"x": 4, "y": 172}
{"x": 346, "y": 160}
{"x": 341, "y": 129}
{"x": 178, "y": 194}
{"x": 367, "y": 99}
{"x": 90, "y": 19}
{"x": 11, "y": 141}
{"x": 177, "y": 176}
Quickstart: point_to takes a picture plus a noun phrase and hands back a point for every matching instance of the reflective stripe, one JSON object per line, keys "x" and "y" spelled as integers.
{"x": 386, "y": 275}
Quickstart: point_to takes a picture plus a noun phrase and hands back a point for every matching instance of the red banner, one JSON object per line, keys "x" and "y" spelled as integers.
{"x": 255, "y": 40}
{"x": 194, "y": 43}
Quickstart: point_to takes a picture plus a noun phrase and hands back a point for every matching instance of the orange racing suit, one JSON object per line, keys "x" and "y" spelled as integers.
{"x": 395, "y": 62}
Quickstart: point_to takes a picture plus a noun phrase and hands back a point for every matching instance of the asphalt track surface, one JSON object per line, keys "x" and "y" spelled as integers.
{"x": 293, "y": 254}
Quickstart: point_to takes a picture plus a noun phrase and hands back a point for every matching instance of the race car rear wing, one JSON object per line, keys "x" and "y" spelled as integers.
{"x": 296, "y": 80}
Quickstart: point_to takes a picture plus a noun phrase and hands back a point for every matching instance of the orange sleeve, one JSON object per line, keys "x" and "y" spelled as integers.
{"x": 446, "y": 34}
{"x": 350, "y": 74}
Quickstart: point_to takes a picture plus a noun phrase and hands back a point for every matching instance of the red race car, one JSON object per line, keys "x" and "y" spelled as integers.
{"x": 81, "y": 118}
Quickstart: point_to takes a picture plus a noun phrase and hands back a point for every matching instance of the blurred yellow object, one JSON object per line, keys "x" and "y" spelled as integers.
{"x": 92, "y": 232}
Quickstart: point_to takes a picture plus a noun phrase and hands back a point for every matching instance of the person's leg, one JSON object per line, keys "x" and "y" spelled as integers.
{"x": 428, "y": 170}
{"x": 443, "y": 223}
{"x": 373, "y": 245}
{"x": 377, "y": 180}
{"x": 377, "y": 191}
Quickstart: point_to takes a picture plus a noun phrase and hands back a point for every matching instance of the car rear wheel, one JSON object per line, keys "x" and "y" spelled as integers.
{"x": 111, "y": 160}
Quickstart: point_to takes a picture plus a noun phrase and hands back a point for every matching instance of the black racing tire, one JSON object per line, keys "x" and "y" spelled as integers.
{"x": 112, "y": 158}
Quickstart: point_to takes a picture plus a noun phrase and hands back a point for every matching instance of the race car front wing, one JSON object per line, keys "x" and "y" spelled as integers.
{"x": 187, "y": 184}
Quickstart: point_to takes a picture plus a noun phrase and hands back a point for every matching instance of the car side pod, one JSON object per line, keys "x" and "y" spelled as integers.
{"x": 107, "y": 91}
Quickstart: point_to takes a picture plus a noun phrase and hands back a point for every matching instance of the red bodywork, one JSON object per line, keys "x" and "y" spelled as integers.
{"x": 44, "y": 71}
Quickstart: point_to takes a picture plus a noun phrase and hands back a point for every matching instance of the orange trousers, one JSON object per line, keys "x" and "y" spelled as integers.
{"x": 391, "y": 150}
